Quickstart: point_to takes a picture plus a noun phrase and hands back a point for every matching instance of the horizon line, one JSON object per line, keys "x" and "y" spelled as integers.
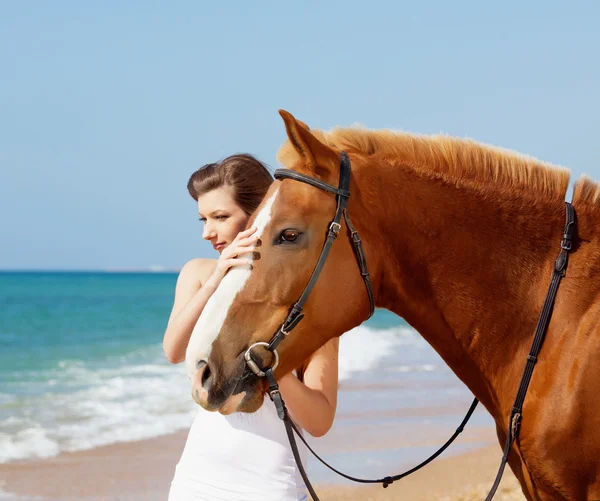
{"x": 92, "y": 270}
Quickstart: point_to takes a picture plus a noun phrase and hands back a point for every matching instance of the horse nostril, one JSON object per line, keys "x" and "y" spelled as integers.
{"x": 203, "y": 367}
{"x": 205, "y": 376}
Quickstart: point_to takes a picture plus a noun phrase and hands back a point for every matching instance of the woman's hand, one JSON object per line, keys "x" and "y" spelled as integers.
{"x": 235, "y": 254}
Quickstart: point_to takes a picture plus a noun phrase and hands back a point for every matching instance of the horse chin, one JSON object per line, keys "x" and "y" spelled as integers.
{"x": 232, "y": 403}
{"x": 252, "y": 401}
{"x": 242, "y": 402}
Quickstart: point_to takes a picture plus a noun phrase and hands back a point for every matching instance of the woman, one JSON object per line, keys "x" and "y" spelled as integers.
{"x": 241, "y": 456}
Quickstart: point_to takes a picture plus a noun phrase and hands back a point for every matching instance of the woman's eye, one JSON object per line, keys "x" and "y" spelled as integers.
{"x": 289, "y": 235}
{"x": 203, "y": 219}
{"x": 221, "y": 218}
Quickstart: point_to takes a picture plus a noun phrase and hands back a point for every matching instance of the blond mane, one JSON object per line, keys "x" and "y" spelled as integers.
{"x": 458, "y": 160}
{"x": 587, "y": 191}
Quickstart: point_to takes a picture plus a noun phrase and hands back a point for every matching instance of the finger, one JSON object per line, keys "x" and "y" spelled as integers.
{"x": 243, "y": 245}
{"x": 228, "y": 253}
{"x": 242, "y": 250}
{"x": 247, "y": 240}
{"x": 246, "y": 233}
{"x": 239, "y": 262}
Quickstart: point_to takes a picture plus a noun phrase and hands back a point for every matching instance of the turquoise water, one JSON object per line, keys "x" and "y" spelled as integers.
{"x": 47, "y": 317}
{"x": 81, "y": 361}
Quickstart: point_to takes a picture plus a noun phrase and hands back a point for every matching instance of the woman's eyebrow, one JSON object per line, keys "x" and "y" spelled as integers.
{"x": 213, "y": 212}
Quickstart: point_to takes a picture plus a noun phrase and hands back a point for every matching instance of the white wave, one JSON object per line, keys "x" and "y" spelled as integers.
{"x": 26, "y": 443}
{"x": 363, "y": 347}
{"x": 89, "y": 408}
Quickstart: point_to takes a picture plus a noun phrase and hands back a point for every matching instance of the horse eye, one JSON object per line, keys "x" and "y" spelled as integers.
{"x": 289, "y": 235}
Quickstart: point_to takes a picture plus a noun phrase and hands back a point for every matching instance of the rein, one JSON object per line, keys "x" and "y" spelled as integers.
{"x": 295, "y": 315}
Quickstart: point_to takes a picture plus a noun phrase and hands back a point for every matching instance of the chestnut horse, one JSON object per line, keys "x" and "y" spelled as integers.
{"x": 460, "y": 239}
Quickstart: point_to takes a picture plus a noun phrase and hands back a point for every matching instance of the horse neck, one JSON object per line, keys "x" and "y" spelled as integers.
{"x": 467, "y": 268}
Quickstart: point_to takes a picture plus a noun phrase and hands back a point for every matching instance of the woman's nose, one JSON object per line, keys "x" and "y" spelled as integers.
{"x": 208, "y": 233}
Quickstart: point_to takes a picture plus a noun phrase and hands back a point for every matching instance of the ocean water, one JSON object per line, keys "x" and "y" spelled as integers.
{"x": 81, "y": 365}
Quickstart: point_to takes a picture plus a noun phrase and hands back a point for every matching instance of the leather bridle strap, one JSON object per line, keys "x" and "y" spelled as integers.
{"x": 342, "y": 194}
{"x": 560, "y": 266}
{"x": 317, "y": 183}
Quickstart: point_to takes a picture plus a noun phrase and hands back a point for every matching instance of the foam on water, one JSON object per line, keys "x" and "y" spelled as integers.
{"x": 84, "y": 408}
{"x": 364, "y": 347}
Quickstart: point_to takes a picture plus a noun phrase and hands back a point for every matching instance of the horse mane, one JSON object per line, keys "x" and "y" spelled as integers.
{"x": 456, "y": 160}
{"x": 587, "y": 191}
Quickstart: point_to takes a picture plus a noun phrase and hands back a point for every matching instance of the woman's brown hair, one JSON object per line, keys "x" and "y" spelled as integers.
{"x": 248, "y": 177}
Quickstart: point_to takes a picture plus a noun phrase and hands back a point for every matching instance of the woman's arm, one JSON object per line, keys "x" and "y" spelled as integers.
{"x": 312, "y": 403}
{"x": 191, "y": 296}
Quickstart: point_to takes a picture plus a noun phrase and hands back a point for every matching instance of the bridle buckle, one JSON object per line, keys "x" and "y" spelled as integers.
{"x": 272, "y": 393}
{"x": 335, "y": 228}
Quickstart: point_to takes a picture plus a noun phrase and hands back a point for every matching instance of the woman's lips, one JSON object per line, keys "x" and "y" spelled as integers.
{"x": 219, "y": 246}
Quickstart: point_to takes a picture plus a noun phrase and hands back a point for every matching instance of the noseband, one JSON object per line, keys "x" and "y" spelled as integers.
{"x": 296, "y": 314}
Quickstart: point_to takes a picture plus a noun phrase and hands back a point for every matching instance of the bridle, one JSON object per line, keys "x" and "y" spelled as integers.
{"x": 296, "y": 314}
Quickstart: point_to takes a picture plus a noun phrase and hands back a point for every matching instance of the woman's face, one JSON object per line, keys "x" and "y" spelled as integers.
{"x": 223, "y": 218}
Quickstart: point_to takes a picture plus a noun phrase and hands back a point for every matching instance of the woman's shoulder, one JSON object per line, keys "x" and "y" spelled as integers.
{"x": 198, "y": 269}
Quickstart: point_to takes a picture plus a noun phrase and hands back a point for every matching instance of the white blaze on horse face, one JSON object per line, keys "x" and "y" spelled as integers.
{"x": 215, "y": 311}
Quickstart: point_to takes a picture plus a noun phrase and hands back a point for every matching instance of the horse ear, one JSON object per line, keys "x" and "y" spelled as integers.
{"x": 320, "y": 159}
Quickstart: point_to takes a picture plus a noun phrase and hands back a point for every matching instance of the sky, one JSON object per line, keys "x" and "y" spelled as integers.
{"x": 106, "y": 108}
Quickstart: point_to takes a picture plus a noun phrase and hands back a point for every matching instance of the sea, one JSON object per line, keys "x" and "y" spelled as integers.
{"x": 81, "y": 365}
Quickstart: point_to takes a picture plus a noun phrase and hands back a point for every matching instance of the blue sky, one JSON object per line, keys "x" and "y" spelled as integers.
{"x": 106, "y": 108}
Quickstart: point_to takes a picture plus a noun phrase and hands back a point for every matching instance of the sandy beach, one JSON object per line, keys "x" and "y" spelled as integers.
{"x": 142, "y": 470}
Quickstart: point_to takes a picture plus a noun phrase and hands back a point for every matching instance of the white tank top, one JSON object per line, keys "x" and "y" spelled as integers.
{"x": 239, "y": 457}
